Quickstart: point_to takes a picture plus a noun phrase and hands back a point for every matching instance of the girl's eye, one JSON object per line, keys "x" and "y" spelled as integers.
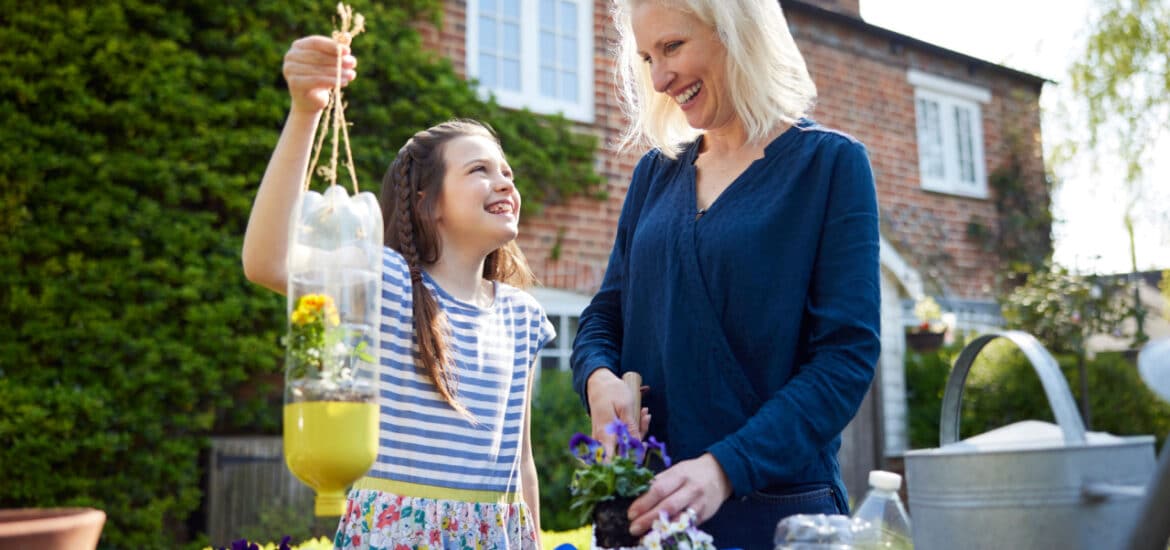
{"x": 478, "y": 169}
{"x": 646, "y": 59}
{"x": 670, "y": 47}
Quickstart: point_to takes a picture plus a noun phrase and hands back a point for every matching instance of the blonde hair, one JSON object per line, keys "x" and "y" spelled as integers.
{"x": 767, "y": 81}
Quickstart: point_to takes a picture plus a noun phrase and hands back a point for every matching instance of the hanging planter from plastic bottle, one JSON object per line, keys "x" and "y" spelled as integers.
{"x": 334, "y": 267}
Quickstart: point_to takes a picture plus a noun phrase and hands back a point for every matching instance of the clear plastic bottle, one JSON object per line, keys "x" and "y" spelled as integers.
{"x": 882, "y": 509}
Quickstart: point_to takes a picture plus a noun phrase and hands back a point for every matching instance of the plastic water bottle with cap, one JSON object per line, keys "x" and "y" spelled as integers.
{"x": 882, "y": 509}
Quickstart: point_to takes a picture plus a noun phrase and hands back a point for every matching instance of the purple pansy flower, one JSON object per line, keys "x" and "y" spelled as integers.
{"x": 621, "y": 433}
{"x": 586, "y": 448}
{"x": 653, "y": 445}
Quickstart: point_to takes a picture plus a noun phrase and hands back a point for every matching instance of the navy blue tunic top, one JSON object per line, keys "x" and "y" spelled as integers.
{"x": 756, "y": 323}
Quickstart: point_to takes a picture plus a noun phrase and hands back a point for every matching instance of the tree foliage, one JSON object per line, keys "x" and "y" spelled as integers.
{"x": 135, "y": 134}
{"x": 1124, "y": 78}
{"x": 1062, "y": 309}
{"x": 1123, "y": 83}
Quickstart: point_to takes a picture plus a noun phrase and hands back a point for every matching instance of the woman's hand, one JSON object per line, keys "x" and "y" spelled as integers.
{"x": 310, "y": 68}
{"x": 699, "y": 484}
{"x": 610, "y": 398}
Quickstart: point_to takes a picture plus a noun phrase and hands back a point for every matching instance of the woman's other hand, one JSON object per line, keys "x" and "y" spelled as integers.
{"x": 610, "y": 398}
{"x": 310, "y": 68}
{"x": 699, "y": 484}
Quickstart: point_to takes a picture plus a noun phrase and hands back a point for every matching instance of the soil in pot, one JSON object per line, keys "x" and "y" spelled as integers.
{"x": 611, "y": 525}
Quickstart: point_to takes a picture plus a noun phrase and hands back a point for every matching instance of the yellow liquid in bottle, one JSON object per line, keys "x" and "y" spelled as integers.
{"x": 328, "y": 445}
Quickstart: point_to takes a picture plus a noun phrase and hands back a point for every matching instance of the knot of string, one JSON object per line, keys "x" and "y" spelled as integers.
{"x": 332, "y": 118}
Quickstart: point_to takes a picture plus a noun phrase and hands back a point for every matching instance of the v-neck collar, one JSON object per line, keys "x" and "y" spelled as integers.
{"x": 691, "y": 154}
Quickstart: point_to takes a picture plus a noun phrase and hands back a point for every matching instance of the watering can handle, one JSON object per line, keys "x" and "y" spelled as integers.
{"x": 1055, "y": 387}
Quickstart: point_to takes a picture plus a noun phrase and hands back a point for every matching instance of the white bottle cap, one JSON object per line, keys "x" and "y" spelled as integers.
{"x": 886, "y": 481}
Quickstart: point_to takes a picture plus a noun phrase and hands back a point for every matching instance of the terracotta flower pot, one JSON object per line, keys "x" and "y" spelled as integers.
{"x": 611, "y": 526}
{"x": 50, "y": 528}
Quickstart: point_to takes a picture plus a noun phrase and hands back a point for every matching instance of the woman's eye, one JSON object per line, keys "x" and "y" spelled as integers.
{"x": 672, "y": 46}
{"x": 478, "y": 169}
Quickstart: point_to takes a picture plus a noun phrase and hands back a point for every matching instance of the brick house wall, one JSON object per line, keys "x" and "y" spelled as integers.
{"x": 584, "y": 227}
{"x": 862, "y": 73}
{"x": 861, "y": 76}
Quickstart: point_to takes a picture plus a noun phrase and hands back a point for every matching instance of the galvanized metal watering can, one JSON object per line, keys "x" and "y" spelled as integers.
{"x": 1030, "y": 484}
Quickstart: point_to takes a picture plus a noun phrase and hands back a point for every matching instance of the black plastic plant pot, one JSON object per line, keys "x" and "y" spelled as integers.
{"x": 611, "y": 525}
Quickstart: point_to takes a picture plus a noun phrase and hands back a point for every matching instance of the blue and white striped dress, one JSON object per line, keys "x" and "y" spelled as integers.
{"x": 443, "y": 480}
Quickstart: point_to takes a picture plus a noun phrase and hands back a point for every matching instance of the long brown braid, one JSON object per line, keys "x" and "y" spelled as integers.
{"x": 410, "y": 190}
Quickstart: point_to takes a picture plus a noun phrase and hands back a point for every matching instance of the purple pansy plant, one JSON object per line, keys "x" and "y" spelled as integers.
{"x": 600, "y": 477}
{"x": 243, "y": 544}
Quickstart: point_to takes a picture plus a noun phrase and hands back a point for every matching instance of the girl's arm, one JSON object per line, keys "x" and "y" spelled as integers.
{"x": 529, "y": 485}
{"x": 310, "y": 68}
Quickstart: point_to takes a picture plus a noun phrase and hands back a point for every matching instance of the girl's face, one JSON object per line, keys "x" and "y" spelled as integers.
{"x": 686, "y": 61}
{"x": 479, "y": 207}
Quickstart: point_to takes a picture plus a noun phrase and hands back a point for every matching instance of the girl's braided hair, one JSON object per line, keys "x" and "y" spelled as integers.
{"x": 410, "y": 191}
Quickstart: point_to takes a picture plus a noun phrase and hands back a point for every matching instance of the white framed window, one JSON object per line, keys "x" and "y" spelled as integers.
{"x": 534, "y": 54}
{"x": 949, "y": 121}
{"x": 564, "y": 311}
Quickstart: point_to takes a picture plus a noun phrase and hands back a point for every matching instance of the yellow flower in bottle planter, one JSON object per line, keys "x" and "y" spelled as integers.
{"x": 317, "y": 341}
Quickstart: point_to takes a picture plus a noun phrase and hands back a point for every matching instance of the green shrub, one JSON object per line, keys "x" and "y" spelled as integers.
{"x": 557, "y": 414}
{"x": 926, "y": 377}
{"x": 1002, "y": 388}
{"x": 135, "y": 134}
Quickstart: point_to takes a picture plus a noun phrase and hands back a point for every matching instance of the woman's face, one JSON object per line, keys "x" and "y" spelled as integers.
{"x": 686, "y": 61}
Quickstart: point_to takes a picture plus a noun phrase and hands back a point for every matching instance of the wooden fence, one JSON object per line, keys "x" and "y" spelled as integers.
{"x": 247, "y": 477}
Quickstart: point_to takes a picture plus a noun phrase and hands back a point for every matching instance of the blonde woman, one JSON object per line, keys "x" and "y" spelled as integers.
{"x": 743, "y": 284}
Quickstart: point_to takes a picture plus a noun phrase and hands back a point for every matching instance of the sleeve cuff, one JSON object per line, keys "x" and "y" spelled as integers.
{"x": 733, "y": 467}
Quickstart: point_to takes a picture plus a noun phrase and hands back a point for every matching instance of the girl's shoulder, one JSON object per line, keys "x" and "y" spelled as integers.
{"x": 517, "y": 298}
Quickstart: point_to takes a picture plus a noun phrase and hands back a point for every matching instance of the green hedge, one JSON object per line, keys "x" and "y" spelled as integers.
{"x": 134, "y": 136}
{"x": 557, "y": 414}
{"x": 1002, "y": 388}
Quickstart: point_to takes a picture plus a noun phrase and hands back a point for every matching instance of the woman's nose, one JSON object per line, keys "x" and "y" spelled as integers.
{"x": 661, "y": 76}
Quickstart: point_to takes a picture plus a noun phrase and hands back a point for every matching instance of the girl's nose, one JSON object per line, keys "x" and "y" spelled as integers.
{"x": 504, "y": 183}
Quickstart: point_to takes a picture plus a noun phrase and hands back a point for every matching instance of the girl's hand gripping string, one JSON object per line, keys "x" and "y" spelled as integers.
{"x": 310, "y": 68}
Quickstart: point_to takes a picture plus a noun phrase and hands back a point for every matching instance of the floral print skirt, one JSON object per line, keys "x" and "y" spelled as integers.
{"x": 377, "y": 520}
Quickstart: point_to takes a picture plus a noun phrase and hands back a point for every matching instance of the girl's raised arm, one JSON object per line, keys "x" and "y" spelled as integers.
{"x": 310, "y": 68}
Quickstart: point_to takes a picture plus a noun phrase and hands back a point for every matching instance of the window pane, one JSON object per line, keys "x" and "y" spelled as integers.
{"x": 573, "y": 320}
{"x": 487, "y": 34}
{"x": 548, "y": 15}
{"x": 568, "y": 53}
{"x": 487, "y": 6}
{"x": 510, "y": 74}
{"x": 548, "y": 82}
{"x": 569, "y": 86}
{"x": 930, "y": 152}
{"x": 568, "y": 17}
{"x": 511, "y": 40}
{"x": 548, "y": 49}
{"x": 488, "y": 70}
{"x": 512, "y": 9}
{"x": 965, "y": 141}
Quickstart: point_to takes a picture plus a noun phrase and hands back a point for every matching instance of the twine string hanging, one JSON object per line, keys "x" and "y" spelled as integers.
{"x": 332, "y": 118}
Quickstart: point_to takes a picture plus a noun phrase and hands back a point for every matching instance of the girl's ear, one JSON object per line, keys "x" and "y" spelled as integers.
{"x": 438, "y": 212}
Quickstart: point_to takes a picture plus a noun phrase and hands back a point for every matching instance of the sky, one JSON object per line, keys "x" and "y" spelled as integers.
{"x": 1043, "y": 37}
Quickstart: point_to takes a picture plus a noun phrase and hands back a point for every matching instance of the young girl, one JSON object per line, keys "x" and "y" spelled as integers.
{"x": 454, "y": 467}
